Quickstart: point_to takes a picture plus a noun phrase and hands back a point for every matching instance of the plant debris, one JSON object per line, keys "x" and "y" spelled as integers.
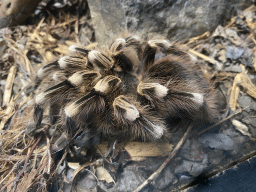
{"x": 39, "y": 159}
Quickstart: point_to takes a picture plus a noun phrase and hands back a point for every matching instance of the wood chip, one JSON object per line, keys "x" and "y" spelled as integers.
{"x": 246, "y": 82}
{"x": 242, "y": 128}
{"x": 241, "y": 79}
{"x": 139, "y": 151}
{"x": 73, "y": 165}
{"x": 103, "y": 175}
{"x": 9, "y": 85}
{"x": 234, "y": 93}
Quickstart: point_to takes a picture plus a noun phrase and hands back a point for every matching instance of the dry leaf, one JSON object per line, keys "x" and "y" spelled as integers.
{"x": 246, "y": 82}
{"x": 80, "y": 168}
{"x": 103, "y": 175}
{"x": 139, "y": 150}
{"x": 242, "y": 128}
{"x": 73, "y": 165}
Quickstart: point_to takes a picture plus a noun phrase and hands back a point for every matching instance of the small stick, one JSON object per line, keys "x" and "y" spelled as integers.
{"x": 170, "y": 157}
{"x": 62, "y": 159}
{"x": 10, "y": 172}
{"x": 9, "y": 84}
{"x": 227, "y": 118}
{"x": 206, "y": 58}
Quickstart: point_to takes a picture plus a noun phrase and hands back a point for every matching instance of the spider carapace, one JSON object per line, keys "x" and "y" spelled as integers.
{"x": 132, "y": 87}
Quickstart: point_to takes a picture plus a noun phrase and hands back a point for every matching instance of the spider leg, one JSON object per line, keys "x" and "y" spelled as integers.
{"x": 100, "y": 62}
{"x": 38, "y": 115}
{"x": 134, "y": 42}
{"x": 126, "y": 53}
{"x": 49, "y": 94}
{"x": 73, "y": 63}
{"x": 174, "y": 88}
{"x": 188, "y": 93}
{"x": 136, "y": 121}
{"x": 44, "y": 71}
{"x": 59, "y": 92}
{"x": 117, "y": 51}
{"x": 78, "y": 51}
{"x": 90, "y": 108}
{"x": 149, "y": 53}
{"x": 60, "y": 75}
{"x": 54, "y": 112}
{"x": 70, "y": 126}
{"x": 65, "y": 63}
{"x": 173, "y": 103}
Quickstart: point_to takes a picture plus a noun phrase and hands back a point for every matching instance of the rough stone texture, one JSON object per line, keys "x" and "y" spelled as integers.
{"x": 13, "y": 12}
{"x": 165, "y": 178}
{"x": 193, "y": 168}
{"x": 172, "y": 19}
{"x": 218, "y": 141}
{"x": 192, "y": 151}
{"x": 216, "y": 156}
{"x": 129, "y": 180}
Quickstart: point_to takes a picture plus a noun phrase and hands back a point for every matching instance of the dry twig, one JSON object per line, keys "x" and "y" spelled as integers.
{"x": 25, "y": 165}
{"x": 170, "y": 157}
{"x": 9, "y": 85}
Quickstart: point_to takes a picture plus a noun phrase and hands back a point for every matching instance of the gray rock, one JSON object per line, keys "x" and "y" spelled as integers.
{"x": 218, "y": 141}
{"x": 165, "y": 178}
{"x": 247, "y": 59}
{"x": 3, "y": 46}
{"x": 233, "y": 68}
{"x": 170, "y": 19}
{"x": 129, "y": 180}
{"x": 108, "y": 19}
{"x": 87, "y": 181}
{"x": 198, "y": 168}
{"x": 239, "y": 143}
{"x": 234, "y": 53}
{"x": 67, "y": 186}
{"x": 184, "y": 167}
{"x": 245, "y": 101}
{"x": 150, "y": 164}
{"x": 216, "y": 156}
{"x": 184, "y": 178}
{"x": 249, "y": 120}
{"x": 192, "y": 150}
{"x": 193, "y": 168}
{"x": 231, "y": 132}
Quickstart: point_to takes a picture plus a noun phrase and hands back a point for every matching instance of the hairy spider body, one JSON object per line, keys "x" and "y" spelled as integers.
{"x": 132, "y": 88}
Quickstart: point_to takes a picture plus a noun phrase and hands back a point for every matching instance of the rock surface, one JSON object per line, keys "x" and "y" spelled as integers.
{"x": 13, "y": 12}
{"x": 172, "y": 19}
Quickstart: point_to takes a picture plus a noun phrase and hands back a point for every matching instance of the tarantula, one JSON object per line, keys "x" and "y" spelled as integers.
{"x": 132, "y": 87}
